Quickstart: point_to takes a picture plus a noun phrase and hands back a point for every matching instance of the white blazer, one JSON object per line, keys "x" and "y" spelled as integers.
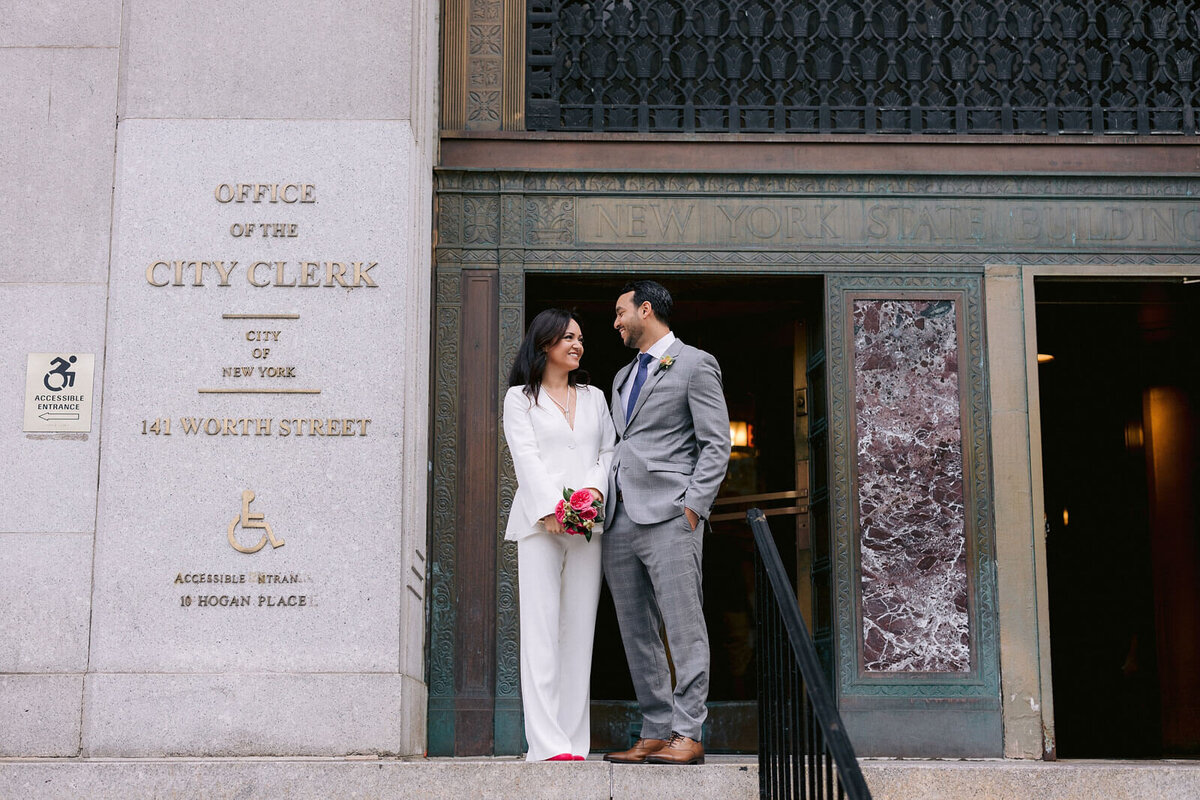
{"x": 549, "y": 456}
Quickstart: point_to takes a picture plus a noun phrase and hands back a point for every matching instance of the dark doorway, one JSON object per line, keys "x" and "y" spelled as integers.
{"x": 1119, "y": 404}
{"x": 765, "y": 332}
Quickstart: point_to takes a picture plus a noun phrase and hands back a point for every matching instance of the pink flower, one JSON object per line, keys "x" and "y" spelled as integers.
{"x": 560, "y": 512}
{"x": 581, "y": 500}
{"x": 588, "y": 513}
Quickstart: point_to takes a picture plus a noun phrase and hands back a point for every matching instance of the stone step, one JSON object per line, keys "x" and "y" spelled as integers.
{"x": 721, "y": 778}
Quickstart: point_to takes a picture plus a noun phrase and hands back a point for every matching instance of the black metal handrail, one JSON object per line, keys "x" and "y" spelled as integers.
{"x": 803, "y": 749}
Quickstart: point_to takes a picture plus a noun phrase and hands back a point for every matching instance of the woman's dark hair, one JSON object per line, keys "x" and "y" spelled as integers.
{"x": 546, "y": 329}
{"x": 654, "y": 293}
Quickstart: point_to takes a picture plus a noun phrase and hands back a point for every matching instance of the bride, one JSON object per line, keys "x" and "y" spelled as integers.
{"x": 561, "y": 436}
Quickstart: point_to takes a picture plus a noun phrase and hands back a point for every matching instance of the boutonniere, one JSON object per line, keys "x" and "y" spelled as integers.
{"x": 664, "y": 364}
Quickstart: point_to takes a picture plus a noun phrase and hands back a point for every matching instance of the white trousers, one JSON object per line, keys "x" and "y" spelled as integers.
{"x": 559, "y": 584}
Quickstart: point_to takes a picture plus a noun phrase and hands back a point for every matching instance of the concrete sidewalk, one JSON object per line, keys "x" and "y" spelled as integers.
{"x": 722, "y": 778}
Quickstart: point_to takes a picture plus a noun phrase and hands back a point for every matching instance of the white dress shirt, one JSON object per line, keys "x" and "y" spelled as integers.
{"x": 549, "y": 456}
{"x": 657, "y": 351}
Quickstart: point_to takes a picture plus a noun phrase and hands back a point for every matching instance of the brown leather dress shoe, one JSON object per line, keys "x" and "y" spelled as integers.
{"x": 679, "y": 750}
{"x": 638, "y": 753}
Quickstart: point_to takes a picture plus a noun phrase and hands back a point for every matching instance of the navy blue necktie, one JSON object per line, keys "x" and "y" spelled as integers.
{"x": 644, "y": 360}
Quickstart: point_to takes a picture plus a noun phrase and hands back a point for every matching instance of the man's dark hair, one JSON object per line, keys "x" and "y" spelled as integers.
{"x": 654, "y": 293}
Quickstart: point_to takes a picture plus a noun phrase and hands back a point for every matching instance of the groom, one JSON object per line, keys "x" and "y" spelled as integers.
{"x": 671, "y": 454}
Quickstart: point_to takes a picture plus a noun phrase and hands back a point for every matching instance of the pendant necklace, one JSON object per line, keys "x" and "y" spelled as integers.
{"x": 566, "y": 410}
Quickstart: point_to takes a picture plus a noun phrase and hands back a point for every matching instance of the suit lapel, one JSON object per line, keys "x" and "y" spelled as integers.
{"x": 656, "y": 375}
{"x": 618, "y": 410}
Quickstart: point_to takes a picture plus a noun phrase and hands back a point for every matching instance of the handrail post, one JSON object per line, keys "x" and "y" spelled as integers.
{"x": 786, "y": 653}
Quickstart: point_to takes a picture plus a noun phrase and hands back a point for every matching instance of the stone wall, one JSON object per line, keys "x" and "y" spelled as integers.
{"x": 230, "y": 207}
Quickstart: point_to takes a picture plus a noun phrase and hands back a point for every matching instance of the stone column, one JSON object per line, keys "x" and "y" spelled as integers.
{"x": 60, "y": 66}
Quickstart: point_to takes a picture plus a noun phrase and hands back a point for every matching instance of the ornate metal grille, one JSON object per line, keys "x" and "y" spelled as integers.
{"x": 872, "y": 66}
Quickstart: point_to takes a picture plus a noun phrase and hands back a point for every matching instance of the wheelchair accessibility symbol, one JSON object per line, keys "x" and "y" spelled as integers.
{"x": 247, "y": 520}
{"x": 61, "y": 376}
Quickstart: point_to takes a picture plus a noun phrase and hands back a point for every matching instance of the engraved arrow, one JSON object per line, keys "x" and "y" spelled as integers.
{"x": 49, "y": 415}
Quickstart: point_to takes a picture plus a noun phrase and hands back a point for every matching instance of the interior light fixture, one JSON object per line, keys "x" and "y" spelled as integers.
{"x": 1045, "y": 358}
{"x": 741, "y": 434}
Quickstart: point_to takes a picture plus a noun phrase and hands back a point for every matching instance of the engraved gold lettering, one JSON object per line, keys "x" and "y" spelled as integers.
{"x": 223, "y": 274}
{"x": 335, "y": 270}
{"x": 250, "y": 273}
{"x": 150, "y": 273}
{"x": 258, "y": 192}
{"x": 279, "y": 265}
{"x": 308, "y": 273}
{"x": 360, "y": 274}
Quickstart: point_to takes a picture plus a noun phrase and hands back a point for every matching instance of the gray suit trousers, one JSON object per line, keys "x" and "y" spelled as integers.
{"x": 654, "y": 573}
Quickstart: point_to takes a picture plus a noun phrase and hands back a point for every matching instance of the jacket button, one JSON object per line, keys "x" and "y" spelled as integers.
{"x": 625, "y": 437}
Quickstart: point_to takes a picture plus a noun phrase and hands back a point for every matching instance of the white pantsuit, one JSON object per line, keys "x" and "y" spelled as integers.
{"x": 558, "y": 574}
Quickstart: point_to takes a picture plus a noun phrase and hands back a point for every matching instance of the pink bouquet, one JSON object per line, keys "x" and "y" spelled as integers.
{"x": 578, "y": 513}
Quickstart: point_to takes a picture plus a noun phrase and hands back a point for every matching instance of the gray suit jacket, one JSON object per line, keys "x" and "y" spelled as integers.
{"x": 674, "y": 449}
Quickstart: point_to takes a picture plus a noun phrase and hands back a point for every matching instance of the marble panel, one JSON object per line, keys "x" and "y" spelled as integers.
{"x": 58, "y": 110}
{"x": 39, "y": 716}
{"x": 910, "y": 487}
{"x": 61, "y": 23}
{"x": 45, "y": 600}
{"x": 173, "y": 591}
{"x": 48, "y": 480}
{"x": 282, "y": 59}
{"x": 247, "y": 714}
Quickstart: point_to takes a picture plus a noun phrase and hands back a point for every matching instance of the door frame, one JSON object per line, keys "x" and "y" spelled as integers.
{"x": 982, "y": 236}
{"x": 1010, "y": 306}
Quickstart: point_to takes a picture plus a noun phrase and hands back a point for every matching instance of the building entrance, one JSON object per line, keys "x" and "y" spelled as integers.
{"x": 766, "y": 334}
{"x": 1119, "y": 411}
